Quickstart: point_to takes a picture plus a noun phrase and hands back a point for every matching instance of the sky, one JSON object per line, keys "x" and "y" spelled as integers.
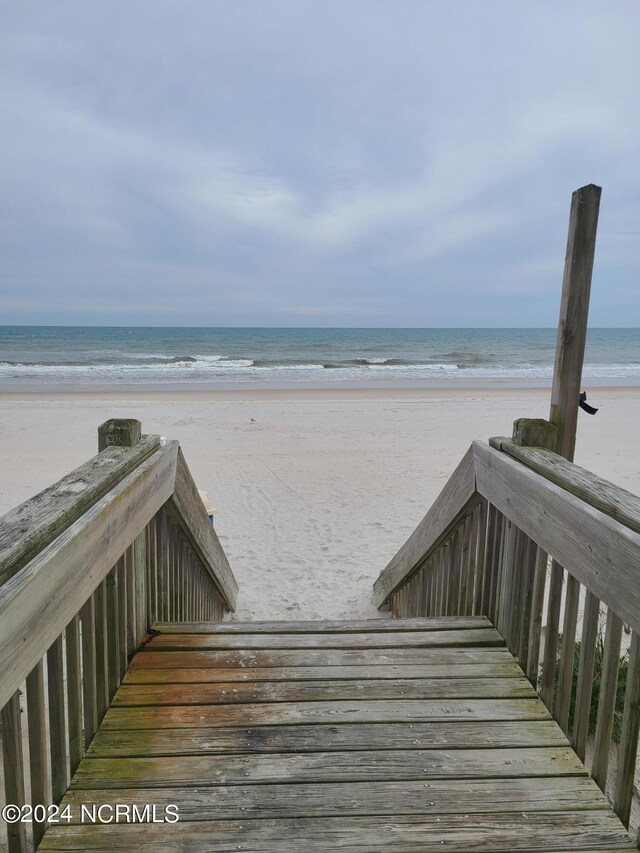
{"x": 325, "y": 163}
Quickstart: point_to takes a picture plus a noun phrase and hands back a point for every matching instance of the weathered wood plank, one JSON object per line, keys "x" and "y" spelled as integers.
{"x": 131, "y": 695}
{"x": 610, "y": 499}
{"x": 374, "y": 711}
{"x": 592, "y": 546}
{"x": 361, "y": 626}
{"x": 441, "y": 517}
{"x": 12, "y": 760}
{"x": 465, "y": 734}
{"x": 38, "y": 602}
{"x": 189, "y": 512}
{"x": 418, "y": 639}
{"x": 628, "y": 754}
{"x": 57, "y": 724}
{"x": 574, "y": 312}
{"x": 30, "y": 527}
{"x": 440, "y": 796}
{"x": 464, "y": 833}
{"x": 38, "y": 750}
{"x": 607, "y": 699}
{"x": 586, "y": 666}
{"x": 233, "y": 658}
{"x": 389, "y": 765}
{"x": 154, "y": 675}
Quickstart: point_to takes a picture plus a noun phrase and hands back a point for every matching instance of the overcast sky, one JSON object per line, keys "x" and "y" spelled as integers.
{"x": 330, "y": 163}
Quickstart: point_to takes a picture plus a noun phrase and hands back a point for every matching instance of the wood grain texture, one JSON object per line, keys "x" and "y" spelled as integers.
{"x": 30, "y": 527}
{"x": 464, "y": 833}
{"x": 135, "y": 695}
{"x": 185, "y": 771}
{"x": 155, "y": 675}
{"x": 38, "y": 602}
{"x": 591, "y": 545}
{"x": 234, "y": 658}
{"x": 12, "y": 759}
{"x": 372, "y": 711}
{"x": 189, "y": 512}
{"x": 361, "y": 626}
{"x": 445, "y": 734}
{"x": 451, "y": 502}
{"x": 378, "y": 640}
{"x": 390, "y": 797}
{"x": 610, "y": 499}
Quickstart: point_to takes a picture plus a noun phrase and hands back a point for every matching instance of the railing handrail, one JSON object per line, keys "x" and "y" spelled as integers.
{"x": 593, "y": 546}
{"x": 39, "y": 600}
{"x": 187, "y": 509}
{"x": 458, "y": 492}
{"x": 602, "y": 494}
{"x": 34, "y": 524}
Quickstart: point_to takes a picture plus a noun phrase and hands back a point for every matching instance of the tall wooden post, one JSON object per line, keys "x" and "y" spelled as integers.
{"x": 574, "y": 312}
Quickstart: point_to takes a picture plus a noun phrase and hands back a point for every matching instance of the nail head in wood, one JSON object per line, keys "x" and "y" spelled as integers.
{"x": 119, "y": 432}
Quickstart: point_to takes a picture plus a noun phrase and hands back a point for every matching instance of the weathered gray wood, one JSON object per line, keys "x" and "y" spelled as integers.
{"x": 131, "y": 601}
{"x": 372, "y": 711}
{"x": 628, "y": 753}
{"x": 138, "y": 674}
{"x": 185, "y": 771}
{"x": 534, "y": 432}
{"x": 57, "y": 723}
{"x": 121, "y": 572}
{"x": 74, "y": 693}
{"x": 102, "y": 644}
{"x": 119, "y": 432}
{"x": 592, "y": 546}
{"x": 574, "y": 311}
{"x": 89, "y": 686}
{"x": 189, "y": 511}
{"x": 139, "y": 559}
{"x": 444, "y": 796}
{"x": 226, "y": 693}
{"x": 446, "y": 734}
{"x": 535, "y": 625}
{"x": 439, "y": 520}
{"x": 549, "y": 831}
{"x": 610, "y": 499}
{"x": 30, "y": 527}
{"x": 584, "y": 688}
{"x": 13, "y": 767}
{"x": 113, "y": 631}
{"x": 37, "y": 604}
{"x": 607, "y": 700}
{"x": 548, "y": 676}
{"x": 362, "y": 626}
{"x": 423, "y": 639}
{"x": 38, "y": 750}
{"x": 233, "y": 658}
{"x": 567, "y": 652}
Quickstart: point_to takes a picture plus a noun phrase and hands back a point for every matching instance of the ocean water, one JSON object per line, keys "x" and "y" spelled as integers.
{"x": 50, "y": 357}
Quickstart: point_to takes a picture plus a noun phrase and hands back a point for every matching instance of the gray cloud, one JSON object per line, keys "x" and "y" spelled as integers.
{"x": 347, "y": 163}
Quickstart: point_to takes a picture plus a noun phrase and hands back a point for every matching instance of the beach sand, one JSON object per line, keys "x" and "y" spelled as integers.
{"x": 315, "y": 490}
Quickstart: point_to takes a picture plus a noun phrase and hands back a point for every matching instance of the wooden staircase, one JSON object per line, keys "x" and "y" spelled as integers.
{"x": 403, "y": 735}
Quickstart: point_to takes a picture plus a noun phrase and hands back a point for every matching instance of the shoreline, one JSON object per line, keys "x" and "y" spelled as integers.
{"x": 309, "y": 392}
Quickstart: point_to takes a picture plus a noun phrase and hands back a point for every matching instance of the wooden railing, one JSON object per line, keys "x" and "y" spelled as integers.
{"x": 87, "y": 567}
{"x": 517, "y": 528}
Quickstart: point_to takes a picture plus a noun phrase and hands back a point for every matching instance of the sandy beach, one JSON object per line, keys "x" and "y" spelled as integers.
{"x": 315, "y": 490}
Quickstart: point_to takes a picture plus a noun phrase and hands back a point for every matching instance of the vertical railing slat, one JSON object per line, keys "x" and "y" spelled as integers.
{"x": 38, "y": 754}
{"x": 13, "y": 765}
{"x": 628, "y": 752}
{"x": 567, "y": 651}
{"x": 74, "y": 693}
{"x": 607, "y": 700}
{"x": 57, "y": 726}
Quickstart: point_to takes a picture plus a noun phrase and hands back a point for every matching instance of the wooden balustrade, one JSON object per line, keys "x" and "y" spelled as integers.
{"x": 89, "y": 566}
{"x": 551, "y": 554}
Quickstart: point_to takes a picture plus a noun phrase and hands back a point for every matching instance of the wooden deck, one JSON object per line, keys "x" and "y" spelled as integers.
{"x": 407, "y": 735}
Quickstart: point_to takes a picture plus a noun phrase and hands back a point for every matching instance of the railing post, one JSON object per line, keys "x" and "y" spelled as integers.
{"x": 127, "y": 432}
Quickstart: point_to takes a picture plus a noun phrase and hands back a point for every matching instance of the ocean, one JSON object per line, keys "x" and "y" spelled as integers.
{"x": 73, "y": 357}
